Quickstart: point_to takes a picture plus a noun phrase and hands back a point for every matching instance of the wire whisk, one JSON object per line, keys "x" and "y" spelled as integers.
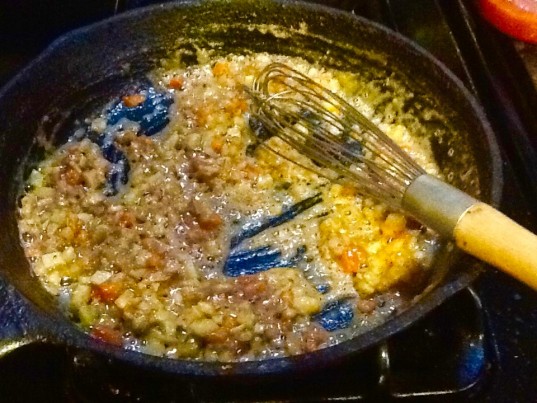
{"x": 332, "y": 133}
{"x": 347, "y": 146}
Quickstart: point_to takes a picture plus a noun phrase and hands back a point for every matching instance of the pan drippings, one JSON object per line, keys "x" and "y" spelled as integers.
{"x": 164, "y": 225}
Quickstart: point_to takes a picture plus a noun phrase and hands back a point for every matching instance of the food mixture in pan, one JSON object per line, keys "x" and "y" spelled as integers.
{"x": 164, "y": 225}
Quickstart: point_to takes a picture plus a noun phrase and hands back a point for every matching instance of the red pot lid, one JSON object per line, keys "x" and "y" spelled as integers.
{"x": 517, "y": 18}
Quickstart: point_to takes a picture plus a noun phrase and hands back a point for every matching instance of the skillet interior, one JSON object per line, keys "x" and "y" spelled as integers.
{"x": 91, "y": 65}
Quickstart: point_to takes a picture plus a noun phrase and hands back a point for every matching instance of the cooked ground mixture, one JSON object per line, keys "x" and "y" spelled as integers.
{"x": 164, "y": 226}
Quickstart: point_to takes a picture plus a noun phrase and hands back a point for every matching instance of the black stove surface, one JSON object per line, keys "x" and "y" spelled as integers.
{"x": 479, "y": 346}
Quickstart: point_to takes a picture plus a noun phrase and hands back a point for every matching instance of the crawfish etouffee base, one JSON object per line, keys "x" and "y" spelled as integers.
{"x": 147, "y": 261}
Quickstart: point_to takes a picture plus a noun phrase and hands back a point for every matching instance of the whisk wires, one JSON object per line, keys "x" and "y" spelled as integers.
{"x": 332, "y": 133}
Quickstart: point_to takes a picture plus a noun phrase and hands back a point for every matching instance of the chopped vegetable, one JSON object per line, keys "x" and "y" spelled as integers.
{"x": 107, "y": 334}
{"x": 352, "y": 259}
{"x": 106, "y": 292}
{"x": 177, "y": 83}
{"x": 220, "y": 68}
{"x": 130, "y": 101}
{"x": 217, "y": 143}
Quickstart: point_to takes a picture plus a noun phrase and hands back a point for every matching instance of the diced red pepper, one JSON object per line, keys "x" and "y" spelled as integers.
{"x": 353, "y": 258}
{"x": 217, "y": 143}
{"x": 127, "y": 219}
{"x": 133, "y": 100}
{"x": 177, "y": 83}
{"x": 210, "y": 222}
{"x": 154, "y": 261}
{"x": 220, "y": 68}
{"x": 236, "y": 106}
{"x": 106, "y": 292}
{"x": 107, "y": 334}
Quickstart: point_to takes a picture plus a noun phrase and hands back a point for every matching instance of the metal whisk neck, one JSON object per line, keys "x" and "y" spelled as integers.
{"x": 325, "y": 128}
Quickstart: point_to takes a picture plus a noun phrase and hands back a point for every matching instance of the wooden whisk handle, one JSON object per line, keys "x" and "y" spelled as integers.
{"x": 489, "y": 235}
{"x": 476, "y": 227}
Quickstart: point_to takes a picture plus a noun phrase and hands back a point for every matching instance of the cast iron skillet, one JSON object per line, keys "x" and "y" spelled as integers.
{"x": 89, "y": 66}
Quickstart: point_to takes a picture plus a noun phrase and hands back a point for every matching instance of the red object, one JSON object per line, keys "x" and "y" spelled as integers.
{"x": 106, "y": 292}
{"x": 517, "y": 18}
{"x": 107, "y": 334}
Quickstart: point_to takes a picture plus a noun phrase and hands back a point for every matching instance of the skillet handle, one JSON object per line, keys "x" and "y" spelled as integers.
{"x": 15, "y": 318}
{"x": 486, "y": 233}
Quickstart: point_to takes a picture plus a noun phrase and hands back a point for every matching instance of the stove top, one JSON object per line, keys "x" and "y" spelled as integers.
{"x": 479, "y": 346}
